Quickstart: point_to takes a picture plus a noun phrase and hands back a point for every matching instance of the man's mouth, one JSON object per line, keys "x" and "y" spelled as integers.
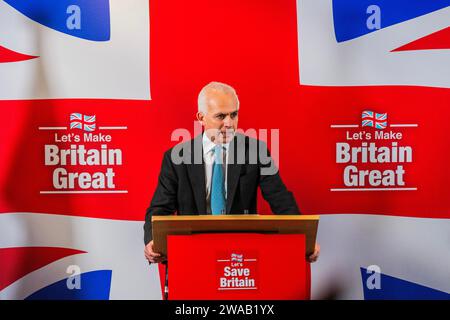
{"x": 227, "y": 133}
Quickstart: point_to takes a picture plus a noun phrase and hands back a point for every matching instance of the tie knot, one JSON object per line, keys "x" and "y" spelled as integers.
{"x": 217, "y": 149}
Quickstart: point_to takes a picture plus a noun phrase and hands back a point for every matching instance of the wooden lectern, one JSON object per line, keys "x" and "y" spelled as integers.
{"x": 237, "y": 256}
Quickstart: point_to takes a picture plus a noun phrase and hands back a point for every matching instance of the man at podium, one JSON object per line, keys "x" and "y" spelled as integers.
{"x": 217, "y": 172}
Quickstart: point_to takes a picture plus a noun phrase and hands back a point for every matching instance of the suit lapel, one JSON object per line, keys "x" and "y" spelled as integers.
{"x": 196, "y": 172}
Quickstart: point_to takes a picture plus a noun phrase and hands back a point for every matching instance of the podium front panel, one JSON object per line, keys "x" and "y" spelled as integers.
{"x": 238, "y": 266}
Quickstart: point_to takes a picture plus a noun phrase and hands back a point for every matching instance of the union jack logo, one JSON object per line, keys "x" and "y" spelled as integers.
{"x": 82, "y": 122}
{"x": 237, "y": 257}
{"x": 372, "y": 119}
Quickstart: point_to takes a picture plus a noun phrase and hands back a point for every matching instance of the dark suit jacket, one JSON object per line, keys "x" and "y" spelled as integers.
{"x": 182, "y": 189}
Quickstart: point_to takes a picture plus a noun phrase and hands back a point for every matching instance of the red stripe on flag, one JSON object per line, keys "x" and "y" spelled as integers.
{"x": 7, "y": 55}
{"x": 437, "y": 40}
{"x": 17, "y": 262}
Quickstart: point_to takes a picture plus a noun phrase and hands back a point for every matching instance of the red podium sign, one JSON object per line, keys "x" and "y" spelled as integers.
{"x": 238, "y": 266}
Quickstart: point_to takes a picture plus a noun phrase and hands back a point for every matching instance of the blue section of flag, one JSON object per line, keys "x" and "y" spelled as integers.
{"x": 350, "y": 16}
{"x": 95, "y": 285}
{"x": 392, "y": 288}
{"x": 94, "y": 16}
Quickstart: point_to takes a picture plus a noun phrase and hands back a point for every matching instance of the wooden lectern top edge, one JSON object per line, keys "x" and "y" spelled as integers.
{"x": 164, "y": 226}
{"x": 234, "y": 217}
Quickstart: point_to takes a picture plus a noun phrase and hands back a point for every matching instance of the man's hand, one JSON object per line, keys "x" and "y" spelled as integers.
{"x": 152, "y": 256}
{"x": 313, "y": 257}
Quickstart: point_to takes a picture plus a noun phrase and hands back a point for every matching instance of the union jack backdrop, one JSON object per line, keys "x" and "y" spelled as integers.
{"x": 93, "y": 90}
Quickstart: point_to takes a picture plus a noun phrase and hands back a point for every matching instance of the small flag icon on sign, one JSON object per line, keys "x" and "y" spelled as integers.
{"x": 237, "y": 257}
{"x": 375, "y": 120}
{"x": 82, "y": 122}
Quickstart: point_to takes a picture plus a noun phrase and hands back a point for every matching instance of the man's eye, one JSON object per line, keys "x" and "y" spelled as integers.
{"x": 233, "y": 115}
{"x": 221, "y": 116}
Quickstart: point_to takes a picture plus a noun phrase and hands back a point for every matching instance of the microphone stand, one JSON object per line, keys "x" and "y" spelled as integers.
{"x": 166, "y": 281}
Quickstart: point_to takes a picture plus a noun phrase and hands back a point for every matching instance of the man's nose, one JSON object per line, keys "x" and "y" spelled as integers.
{"x": 227, "y": 122}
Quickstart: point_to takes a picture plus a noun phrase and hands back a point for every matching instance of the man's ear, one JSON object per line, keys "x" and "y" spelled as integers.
{"x": 200, "y": 117}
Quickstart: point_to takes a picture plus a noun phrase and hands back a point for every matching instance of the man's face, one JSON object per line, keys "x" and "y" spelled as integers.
{"x": 220, "y": 122}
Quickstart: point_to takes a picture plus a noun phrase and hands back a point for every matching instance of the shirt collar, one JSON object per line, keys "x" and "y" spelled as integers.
{"x": 208, "y": 145}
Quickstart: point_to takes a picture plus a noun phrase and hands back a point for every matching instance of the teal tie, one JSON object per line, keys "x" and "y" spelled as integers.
{"x": 218, "y": 183}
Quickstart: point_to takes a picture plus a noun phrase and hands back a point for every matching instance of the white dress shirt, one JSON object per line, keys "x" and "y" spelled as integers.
{"x": 208, "y": 158}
